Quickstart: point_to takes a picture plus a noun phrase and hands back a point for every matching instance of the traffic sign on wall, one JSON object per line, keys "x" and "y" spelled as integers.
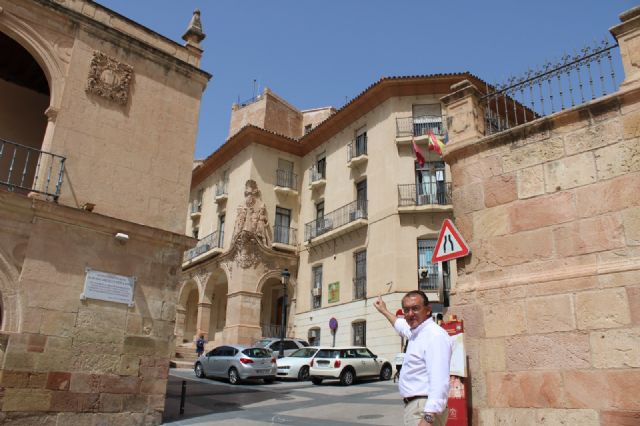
{"x": 450, "y": 244}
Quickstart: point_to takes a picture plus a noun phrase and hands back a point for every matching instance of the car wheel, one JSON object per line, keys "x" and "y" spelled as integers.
{"x": 316, "y": 380}
{"x": 347, "y": 377}
{"x": 268, "y": 380}
{"x": 234, "y": 378}
{"x": 199, "y": 371}
{"x": 385, "y": 373}
{"x": 303, "y": 374}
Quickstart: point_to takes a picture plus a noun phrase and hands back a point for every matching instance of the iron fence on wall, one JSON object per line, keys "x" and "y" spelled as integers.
{"x": 571, "y": 81}
{"x": 25, "y": 169}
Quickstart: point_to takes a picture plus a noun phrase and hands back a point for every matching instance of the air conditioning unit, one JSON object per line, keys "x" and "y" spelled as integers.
{"x": 316, "y": 292}
{"x": 423, "y": 273}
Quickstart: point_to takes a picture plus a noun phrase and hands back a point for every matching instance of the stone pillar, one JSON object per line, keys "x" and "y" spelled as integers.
{"x": 243, "y": 317}
{"x": 204, "y": 317}
{"x": 465, "y": 115}
{"x": 181, "y": 315}
{"x": 627, "y": 33}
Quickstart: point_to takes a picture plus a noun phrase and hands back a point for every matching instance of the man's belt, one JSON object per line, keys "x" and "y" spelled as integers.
{"x": 411, "y": 398}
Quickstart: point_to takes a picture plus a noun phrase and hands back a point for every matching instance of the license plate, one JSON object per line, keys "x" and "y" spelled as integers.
{"x": 263, "y": 371}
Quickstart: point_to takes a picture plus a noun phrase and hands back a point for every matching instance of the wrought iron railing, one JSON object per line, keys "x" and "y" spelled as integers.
{"x": 554, "y": 87}
{"x": 284, "y": 235}
{"x": 418, "y": 126}
{"x": 424, "y": 194}
{"x": 429, "y": 278}
{"x": 335, "y": 219}
{"x": 25, "y": 169}
{"x": 286, "y": 179}
{"x": 211, "y": 241}
{"x": 221, "y": 188}
{"x": 317, "y": 173}
{"x": 359, "y": 288}
{"x": 357, "y": 148}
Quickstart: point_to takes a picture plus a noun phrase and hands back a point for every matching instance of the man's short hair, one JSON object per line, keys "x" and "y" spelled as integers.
{"x": 425, "y": 299}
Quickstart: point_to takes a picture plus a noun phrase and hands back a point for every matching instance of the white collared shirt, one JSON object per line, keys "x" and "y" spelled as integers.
{"x": 425, "y": 370}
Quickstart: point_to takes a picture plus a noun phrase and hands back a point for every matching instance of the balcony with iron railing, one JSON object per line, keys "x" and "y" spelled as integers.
{"x": 222, "y": 192}
{"x": 357, "y": 151}
{"x": 359, "y": 288}
{"x": 409, "y": 129}
{"x": 426, "y": 197}
{"x": 196, "y": 209}
{"x": 24, "y": 170}
{"x": 286, "y": 182}
{"x": 317, "y": 176}
{"x": 207, "y": 247}
{"x": 284, "y": 237}
{"x": 338, "y": 222}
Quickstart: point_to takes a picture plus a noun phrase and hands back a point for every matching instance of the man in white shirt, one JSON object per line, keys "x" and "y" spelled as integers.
{"x": 424, "y": 377}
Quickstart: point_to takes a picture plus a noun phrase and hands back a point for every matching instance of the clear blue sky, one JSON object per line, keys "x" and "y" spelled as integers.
{"x": 319, "y": 53}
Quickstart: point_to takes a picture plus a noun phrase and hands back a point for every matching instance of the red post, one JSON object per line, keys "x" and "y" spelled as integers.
{"x": 458, "y": 415}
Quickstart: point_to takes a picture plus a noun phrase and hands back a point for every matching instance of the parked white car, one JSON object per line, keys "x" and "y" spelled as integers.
{"x": 296, "y": 365}
{"x": 347, "y": 364}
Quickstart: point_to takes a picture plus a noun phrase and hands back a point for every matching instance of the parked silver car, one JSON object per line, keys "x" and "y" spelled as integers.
{"x": 273, "y": 343}
{"x": 237, "y": 363}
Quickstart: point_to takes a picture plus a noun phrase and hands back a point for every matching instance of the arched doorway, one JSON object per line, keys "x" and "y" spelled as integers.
{"x": 216, "y": 294}
{"x": 24, "y": 98}
{"x": 187, "y": 312}
{"x": 271, "y": 308}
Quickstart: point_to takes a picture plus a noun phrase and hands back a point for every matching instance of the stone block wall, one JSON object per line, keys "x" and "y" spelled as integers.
{"x": 551, "y": 291}
{"x": 65, "y": 360}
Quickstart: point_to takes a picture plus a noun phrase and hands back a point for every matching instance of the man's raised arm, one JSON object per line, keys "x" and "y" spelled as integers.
{"x": 382, "y": 308}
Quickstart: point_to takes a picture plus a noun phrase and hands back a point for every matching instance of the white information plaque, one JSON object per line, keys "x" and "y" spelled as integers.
{"x": 109, "y": 287}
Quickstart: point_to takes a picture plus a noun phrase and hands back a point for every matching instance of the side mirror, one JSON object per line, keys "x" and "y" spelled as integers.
{"x": 375, "y": 356}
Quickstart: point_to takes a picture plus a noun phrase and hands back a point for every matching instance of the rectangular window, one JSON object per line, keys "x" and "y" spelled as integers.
{"x": 430, "y": 184}
{"x": 220, "y": 241}
{"x": 359, "y": 333}
{"x": 284, "y": 174}
{"x": 313, "y": 337}
{"x": 308, "y": 128}
{"x": 194, "y": 232}
{"x": 321, "y": 166}
{"x": 427, "y": 117}
{"x": 316, "y": 289}
{"x": 361, "y": 197}
{"x": 429, "y": 274}
{"x": 361, "y": 142}
{"x": 360, "y": 278}
{"x": 281, "y": 229}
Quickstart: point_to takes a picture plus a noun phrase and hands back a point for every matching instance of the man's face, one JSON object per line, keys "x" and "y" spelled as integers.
{"x": 415, "y": 313}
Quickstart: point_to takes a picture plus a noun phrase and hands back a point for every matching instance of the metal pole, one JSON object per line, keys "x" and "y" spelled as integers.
{"x": 285, "y": 281}
{"x": 182, "y": 396}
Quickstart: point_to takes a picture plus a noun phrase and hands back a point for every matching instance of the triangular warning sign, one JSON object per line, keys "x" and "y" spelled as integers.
{"x": 450, "y": 244}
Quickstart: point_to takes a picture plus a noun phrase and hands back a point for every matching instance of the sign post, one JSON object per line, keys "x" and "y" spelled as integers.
{"x": 333, "y": 325}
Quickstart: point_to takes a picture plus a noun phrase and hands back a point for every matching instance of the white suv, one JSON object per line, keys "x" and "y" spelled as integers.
{"x": 289, "y": 345}
{"x": 347, "y": 364}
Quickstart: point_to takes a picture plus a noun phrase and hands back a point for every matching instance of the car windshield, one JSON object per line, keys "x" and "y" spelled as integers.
{"x": 327, "y": 353}
{"x": 257, "y": 353}
{"x": 303, "y": 353}
{"x": 262, "y": 343}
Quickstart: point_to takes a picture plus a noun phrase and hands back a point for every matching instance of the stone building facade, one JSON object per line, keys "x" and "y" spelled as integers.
{"x": 350, "y": 214}
{"x": 90, "y": 214}
{"x": 551, "y": 293}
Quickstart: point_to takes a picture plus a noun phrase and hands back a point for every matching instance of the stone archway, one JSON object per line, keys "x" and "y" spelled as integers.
{"x": 270, "y": 286}
{"x": 213, "y": 306}
{"x": 187, "y": 312}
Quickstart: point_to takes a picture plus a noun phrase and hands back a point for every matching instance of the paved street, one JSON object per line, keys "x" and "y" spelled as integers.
{"x": 215, "y": 402}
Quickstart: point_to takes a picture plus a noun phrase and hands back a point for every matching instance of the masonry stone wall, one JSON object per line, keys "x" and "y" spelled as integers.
{"x": 551, "y": 292}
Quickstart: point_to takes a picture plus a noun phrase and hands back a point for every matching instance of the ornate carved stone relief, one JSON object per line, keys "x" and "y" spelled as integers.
{"x": 252, "y": 215}
{"x": 109, "y": 78}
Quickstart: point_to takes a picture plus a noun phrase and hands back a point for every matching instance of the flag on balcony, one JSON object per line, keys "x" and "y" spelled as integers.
{"x": 435, "y": 143}
{"x": 419, "y": 155}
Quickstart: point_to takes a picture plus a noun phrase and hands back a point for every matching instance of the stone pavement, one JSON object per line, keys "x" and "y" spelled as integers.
{"x": 215, "y": 402}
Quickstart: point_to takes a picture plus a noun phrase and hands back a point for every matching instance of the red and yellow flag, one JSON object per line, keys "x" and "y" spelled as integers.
{"x": 435, "y": 143}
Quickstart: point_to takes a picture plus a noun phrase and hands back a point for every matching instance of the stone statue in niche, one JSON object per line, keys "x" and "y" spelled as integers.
{"x": 252, "y": 215}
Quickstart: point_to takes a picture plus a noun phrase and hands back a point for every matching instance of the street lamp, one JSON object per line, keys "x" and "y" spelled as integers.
{"x": 285, "y": 281}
